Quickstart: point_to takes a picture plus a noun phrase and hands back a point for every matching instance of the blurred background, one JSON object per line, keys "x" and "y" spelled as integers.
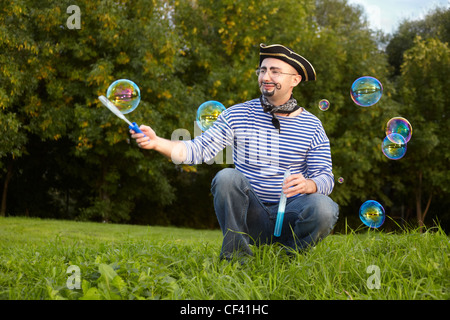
{"x": 65, "y": 156}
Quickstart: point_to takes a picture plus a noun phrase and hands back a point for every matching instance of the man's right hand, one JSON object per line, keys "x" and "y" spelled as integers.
{"x": 147, "y": 140}
{"x": 174, "y": 150}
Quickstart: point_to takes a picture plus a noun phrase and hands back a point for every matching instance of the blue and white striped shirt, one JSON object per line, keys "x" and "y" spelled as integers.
{"x": 263, "y": 154}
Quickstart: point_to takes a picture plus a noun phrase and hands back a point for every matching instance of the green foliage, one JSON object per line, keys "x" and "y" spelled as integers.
{"x": 65, "y": 72}
{"x": 419, "y": 53}
{"x": 424, "y": 92}
{"x": 435, "y": 25}
{"x": 74, "y": 159}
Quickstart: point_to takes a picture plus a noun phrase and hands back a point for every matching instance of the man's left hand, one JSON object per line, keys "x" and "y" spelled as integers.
{"x": 296, "y": 184}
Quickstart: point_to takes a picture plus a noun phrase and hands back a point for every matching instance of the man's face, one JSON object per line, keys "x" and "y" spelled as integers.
{"x": 277, "y": 78}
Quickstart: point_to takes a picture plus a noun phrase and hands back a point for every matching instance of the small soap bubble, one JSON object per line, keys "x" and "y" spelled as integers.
{"x": 372, "y": 214}
{"x": 401, "y": 126}
{"x": 124, "y": 94}
{"x": 207, "y": 114}
{"x": 394, "y": 146}
{"x": 366, "y": 91}
{"x": 341, "y": 180}
{"x": 324, "y": 104}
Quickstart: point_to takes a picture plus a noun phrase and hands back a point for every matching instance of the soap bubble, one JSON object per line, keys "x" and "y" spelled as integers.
{"x": 125, "y": 95}
{"x": 394, "y": 146}
{"x": 341, "y": 180}
{"x": 372, "y": 214}
{"x": 401, "y": 126}
{"x": 366, "y": 91}
{"x": 207, "y": 114}
{"x": 324, "y": 104}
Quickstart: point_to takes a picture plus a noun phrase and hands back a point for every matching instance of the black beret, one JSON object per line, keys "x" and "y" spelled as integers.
{"x": 277, "y": 51}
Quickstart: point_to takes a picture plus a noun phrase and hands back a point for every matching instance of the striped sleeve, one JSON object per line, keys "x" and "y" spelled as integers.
{"x": 319, "y": 162}
{"x": 205, "y": 147}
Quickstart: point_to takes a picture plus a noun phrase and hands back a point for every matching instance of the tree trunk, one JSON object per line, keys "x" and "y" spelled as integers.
{"x": 419, "y": 202}
{"x": 419, "y": 213}
{"x": 104, "y": 197}
{"x": 5, "y": 189}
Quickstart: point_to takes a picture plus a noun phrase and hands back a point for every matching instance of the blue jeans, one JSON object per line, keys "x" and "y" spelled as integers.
{"x": 245, "y": 220}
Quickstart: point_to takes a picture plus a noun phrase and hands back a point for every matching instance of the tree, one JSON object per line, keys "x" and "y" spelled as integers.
{"x": 424, "y": 92}
{"x": 417, "y": 100}
{"x": 435, "y": 25}
{"x": 17, "y": 49}
{"x": 52, "y": 76}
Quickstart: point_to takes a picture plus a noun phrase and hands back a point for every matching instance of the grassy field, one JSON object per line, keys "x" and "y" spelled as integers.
{"x": 139, "y": 262}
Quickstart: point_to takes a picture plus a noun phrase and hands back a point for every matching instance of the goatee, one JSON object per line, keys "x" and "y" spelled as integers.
{"x": 267, "y": 93}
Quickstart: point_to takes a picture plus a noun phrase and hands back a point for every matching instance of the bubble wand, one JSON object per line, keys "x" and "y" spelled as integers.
{"x": 133, "y": 126}
{"x": 281, "y": 208}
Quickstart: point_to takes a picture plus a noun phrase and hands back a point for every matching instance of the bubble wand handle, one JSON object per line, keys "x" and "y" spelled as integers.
{"x": 281, "y": 208}
{"x": 133, "y": 126}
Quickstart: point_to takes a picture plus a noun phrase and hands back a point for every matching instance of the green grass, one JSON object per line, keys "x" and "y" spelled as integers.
{"x": 139, "y": 262}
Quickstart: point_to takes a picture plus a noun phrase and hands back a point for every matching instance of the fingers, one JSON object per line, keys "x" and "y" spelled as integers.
{"x": 293, "y": 180}
{"x": 142, "y": 139}
{"x": 135, "y": 135}
{"x": 143, "y": 128}
{"x": 295, "y": 184}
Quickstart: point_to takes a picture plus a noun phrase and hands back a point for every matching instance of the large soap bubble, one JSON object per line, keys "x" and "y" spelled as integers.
{"x": 366, "y": 91}
{"x": 401, "y": 126}
{"x": 394, "y": 146}
{"x": 125, "y": 95}
{"x": 207, "y": 114}
{"x": 372, "y": 214}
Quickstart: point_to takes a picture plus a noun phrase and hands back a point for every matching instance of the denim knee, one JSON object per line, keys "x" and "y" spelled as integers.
{"x": 225, "y": 179}
{"x": 326, "y": 212}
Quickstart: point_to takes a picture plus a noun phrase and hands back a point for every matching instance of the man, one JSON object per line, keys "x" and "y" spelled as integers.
{"x": 270, "y": 135}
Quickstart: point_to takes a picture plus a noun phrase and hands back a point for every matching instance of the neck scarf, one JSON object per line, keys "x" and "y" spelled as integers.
{"x": 286, "y": 108}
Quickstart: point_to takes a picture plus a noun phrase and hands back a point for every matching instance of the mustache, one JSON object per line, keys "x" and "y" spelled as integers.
{"x": 277, "y": 85}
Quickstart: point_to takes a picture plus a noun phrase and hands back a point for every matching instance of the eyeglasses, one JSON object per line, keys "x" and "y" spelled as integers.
{"x": 273, "y": 73}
